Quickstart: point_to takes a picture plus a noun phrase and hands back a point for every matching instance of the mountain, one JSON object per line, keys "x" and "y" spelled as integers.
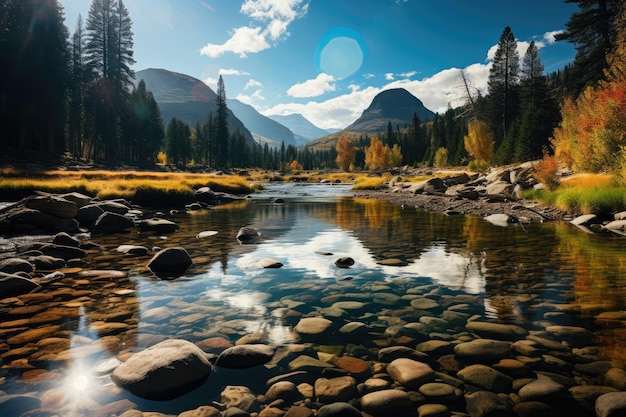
{"x": 301, "y": 127}
{"x": 396, "y": 106}
{"x": 186, "y": 98}
{"x": 264, "y": 130}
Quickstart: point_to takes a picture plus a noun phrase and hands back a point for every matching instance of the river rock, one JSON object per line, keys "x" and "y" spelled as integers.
{"x": 389, "y": 354}
{"x": 501, "y": 219}
{"x": 13, "y": 265}
{"x": 283, "y": 390}
{"x": 354, "y": 366}
{"x": 344, "y": 262}
{"x": 244, "y": 356}
{"x": 110, "y": 223}
{"x": 77, "y": 198}
{"x": 247, "y": 235}
{"x": 486, "y": 378}
{"x": 387, "y": 402}
{"x": 115, "y": 206}
{"x": 163, "y": 371}
{"x": 410, "y": 373}
{"x": 133, "y": 250}
{"x": 338, "y": 409}
{"x": 354, "y": 328}
{"x": 16, "y": 405}
{"x": 330, "y": 390}
{"x": 87, "y": 215}
{"x": 212, "y": 198}
{"x": 63, "y": 252}
{"x": 30, "y": 220}
{"x": 54, "y": 205}
{"x": 575, "y": 336}
{"x": 616, "y": 226}
{"x": 269, "y": 263}
{"x": 483, "y": 350}
{"x": 170, "y": 262}
{"x": 487, "y": 404}
{"x": 239, "y": 397}
{"x": 12, "y": 285}
{"x": 497, "y": 331}
{"x": 616, "y": 378}
{"x": 312, "y": 326}
{"x": 206, "y": 233}
{"x": 63, "y": 239}
{"x": 433, "y": 410}
{"x": 48, "y": 263}
{"x": 160, "y": 226}
{"x": 202, "y": 411}
{"x": 612, "y": 404}
{"x": 542, "y": 389}
{"x": 438, "y": 392}
{"x": 309, "y": 364}
{"x": 533, "y": 409}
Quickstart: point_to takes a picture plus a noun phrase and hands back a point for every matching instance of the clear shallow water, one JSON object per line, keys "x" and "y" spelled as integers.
{"x": 514, "y": 275}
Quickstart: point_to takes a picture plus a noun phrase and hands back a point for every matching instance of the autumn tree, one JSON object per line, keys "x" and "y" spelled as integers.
{"x": 376, "y": 155}
{"x": 479, "y": 141}
{"x": 346, "y": 153}
{"x": 591, "y": 134}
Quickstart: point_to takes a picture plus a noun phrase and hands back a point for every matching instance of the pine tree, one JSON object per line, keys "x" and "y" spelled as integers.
{"x": 538, "y": 113}
{"x": 592, "y": 31}
{"x": 33, "y": 75}
{"x": 221, "y": 125}
{"x": 148, "y": 134}
{"x": 503, "y": 82}
{"x": 109, "y": 56}
{"x": 78, "y": 85}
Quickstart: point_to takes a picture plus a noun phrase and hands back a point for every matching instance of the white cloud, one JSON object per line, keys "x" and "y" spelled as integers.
{"x": 435, "y": 92}
{"x": 407, "y": 74}
{"x": 273, "y": 18}
{"x": 550, "y": 36}
{"x": 211, "y": 82}
{"x": 232, "y": 71}
{"x": 313, "y": 88}
{"x": 244, "y": 40}
{"x": 252, "y": 83}
{"x": 389, "y": 76}
{"x": 251, "y": 99}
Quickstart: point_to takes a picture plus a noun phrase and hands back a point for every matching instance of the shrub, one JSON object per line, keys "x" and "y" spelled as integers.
{"x": 546, "y": 172}
{"x": 441, "y": 158}
{"x": 478, "y": 165}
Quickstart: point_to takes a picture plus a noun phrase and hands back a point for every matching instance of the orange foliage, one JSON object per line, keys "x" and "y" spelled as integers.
{"x": 377, "y": 154}
{"x": 294, "y": 165}
{"x": 346, "y": 152}
{"x": 547, "y": 172}
{"x": 592, "y": 134}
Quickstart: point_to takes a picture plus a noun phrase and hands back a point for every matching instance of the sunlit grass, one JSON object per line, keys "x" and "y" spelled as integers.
{"x": 140, "y": 187}
{"x": 585, "y": 193}
{"x": 371, "y": 183}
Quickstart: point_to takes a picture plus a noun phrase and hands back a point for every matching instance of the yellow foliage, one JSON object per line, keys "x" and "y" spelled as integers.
{"x": 479, "y": 141}
{"x": 377, "y": 154}
{"x": 395, "y": 156}
{"x": 441, "y": 158}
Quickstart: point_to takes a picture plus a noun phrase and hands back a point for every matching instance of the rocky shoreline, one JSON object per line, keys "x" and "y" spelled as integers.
{"x": 459, "y": 193}
{"x": 356, "y": 347}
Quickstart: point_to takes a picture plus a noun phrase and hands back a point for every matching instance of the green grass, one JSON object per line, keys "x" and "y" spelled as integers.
{"x": 584, "y": 199}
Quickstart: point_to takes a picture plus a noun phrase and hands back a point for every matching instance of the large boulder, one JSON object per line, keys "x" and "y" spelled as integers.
{"x": 51, "y": 204}
{"x": 210, "y": 197}
{"x": 163, "y": 371}
{"x": 12, "y": 285}
{"x": 170, "y": 262}
{"x": 160, "y": 226}
{"x": 110, "y": 223}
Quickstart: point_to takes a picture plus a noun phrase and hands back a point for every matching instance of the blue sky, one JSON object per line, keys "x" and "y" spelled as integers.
{"x": 327, "y": 59}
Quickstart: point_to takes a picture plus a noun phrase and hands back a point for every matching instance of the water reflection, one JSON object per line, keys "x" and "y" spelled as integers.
{"x": 112, "y": 305}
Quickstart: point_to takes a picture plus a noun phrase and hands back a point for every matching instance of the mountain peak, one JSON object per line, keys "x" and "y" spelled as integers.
{"x": 395, "y": 105}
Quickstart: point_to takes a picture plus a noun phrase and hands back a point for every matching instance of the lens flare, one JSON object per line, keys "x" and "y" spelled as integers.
{"x": 340, "y": 53}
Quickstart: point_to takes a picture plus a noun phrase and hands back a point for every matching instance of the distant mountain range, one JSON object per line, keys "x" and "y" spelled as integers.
{"x": 190, "y": 100}
{"x": 302, "y": 128}
{"x": 186, "y": 98}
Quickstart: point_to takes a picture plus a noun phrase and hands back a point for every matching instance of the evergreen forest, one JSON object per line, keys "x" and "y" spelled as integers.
{"x": 76, "y": 95}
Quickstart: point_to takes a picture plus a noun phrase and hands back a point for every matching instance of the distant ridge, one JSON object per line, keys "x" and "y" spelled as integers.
{"x": 396, "y": 106}
{"x": 303, "y": 130}
{"x": 186, "y": 98}
{"x": 263, "y": 129}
